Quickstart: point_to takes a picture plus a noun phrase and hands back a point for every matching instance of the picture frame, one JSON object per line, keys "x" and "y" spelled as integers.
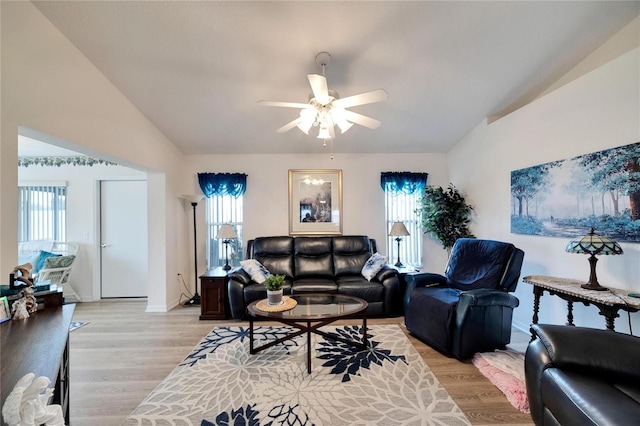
{"x": 315, "y": 202}
{"x": 5, "y": 312}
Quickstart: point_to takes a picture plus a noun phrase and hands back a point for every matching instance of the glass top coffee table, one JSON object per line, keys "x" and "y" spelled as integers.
{"x": 312, "y": 312}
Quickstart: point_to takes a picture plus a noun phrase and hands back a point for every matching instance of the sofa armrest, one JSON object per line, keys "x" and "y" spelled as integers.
{"x": 239, "y": 275}
{"x": 601, "y": 352}
{"x": 384, "y": 273}
{"x": 594, "y": 352}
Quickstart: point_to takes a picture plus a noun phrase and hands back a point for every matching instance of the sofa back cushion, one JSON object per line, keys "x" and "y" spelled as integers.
{"x": 275, "y": 254}
{"x": 313, "y": 257}
{"x": 350, "y": 254}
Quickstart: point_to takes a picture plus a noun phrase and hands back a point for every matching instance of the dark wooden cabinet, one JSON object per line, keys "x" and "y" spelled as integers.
{"x": 39, "y": 345}
{"x": 214, "y": 303}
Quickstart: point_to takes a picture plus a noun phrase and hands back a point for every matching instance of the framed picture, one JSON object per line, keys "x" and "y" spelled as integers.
{"x": 5, "y": 312}
{"x": 315, "y": 202}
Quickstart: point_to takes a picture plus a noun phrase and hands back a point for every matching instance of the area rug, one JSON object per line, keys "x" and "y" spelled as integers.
{"x": 505, "y": 369}
{"x": 77, "y": 324}
{"x": 220, "y": 383}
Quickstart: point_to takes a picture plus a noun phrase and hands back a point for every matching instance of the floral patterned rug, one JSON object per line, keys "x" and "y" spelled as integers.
{"x": 220, "y": 383}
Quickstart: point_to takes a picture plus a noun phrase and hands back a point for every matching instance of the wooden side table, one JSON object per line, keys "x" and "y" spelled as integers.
{"x": 402, "y": 273}
{"x": 214, "y": 303}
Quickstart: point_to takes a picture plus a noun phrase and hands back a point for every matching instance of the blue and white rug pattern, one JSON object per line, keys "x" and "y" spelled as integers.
{"x": 220, "y": 383}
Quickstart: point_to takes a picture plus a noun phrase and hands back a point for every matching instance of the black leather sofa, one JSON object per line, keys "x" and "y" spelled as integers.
{"x": 317, "y": 265}
{"x": 583, "y": 376}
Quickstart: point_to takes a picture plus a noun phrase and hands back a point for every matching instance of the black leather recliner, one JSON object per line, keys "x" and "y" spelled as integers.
{"x": 582, "y": 376}
{"x": 469, "y": 309}
{"x": 317, "y": 265}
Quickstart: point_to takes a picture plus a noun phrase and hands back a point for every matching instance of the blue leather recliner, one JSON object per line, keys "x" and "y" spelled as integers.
{"x": 469, "y": 309}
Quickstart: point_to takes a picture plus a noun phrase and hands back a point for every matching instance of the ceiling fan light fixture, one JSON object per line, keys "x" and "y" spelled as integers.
{"x": 344, "y": 126}
{"x": 326, "y": 109}
{"x": 324, "y": 133}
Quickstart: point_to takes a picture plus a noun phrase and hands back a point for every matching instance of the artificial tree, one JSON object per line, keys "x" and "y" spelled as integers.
{"x": 445, "y": 215}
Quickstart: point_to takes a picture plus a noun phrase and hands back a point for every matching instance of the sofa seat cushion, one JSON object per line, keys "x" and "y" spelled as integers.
{"x": 314, "y": 285}
{"x": 430, "y": 314}
{"x": 575, "y": 398}
{"x": 359, "y": 287}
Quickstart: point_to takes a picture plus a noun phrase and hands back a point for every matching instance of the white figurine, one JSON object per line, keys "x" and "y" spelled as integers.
{"x": 19, "y": 309}
{"x": 26, "y": 405}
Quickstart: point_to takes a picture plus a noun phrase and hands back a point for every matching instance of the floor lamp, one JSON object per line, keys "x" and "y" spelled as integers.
{"x": 194, "y": 199}
{"x": 398, "y": 230}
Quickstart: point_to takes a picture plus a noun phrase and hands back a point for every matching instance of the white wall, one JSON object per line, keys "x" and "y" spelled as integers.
{"x": 50, "y": 87}
{"x": 598, "y": 110}
{"x": 81, "y": 225}
{"x": 266, "y": 201}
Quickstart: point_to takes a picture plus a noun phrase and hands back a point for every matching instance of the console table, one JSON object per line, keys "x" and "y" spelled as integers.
{"x": 608, "y": 302}
{"x": 38, "y": 345}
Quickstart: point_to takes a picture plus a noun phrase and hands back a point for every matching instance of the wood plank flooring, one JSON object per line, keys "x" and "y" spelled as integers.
{"x": 124, "y": 353}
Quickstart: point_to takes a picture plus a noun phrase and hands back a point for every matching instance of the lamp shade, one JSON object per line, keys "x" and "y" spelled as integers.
{"x": 594, "y": 244}
{"x": 226, "y": 232}
{"x": 192, "y": 198}
{"x": 398, "y": 230}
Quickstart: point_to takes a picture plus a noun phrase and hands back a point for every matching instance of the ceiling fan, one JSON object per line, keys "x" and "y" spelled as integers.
{"x": 326, "y": 109}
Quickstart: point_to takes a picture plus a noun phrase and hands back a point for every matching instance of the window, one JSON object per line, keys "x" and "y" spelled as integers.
{"x": 223, "y": 209}
{"x": 224, "y": 192}
{"x": 42, "y": 211}
{"x": 403, "y": 191}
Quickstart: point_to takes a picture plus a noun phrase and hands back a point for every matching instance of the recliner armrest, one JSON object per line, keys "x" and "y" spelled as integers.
{"x": 601, "y": 352}
{"x": 420, "y": 279}
{"x": 484, "y": 297}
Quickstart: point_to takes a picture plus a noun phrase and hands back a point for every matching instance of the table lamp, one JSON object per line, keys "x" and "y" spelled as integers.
{"x": 226, "y": 233}
{"x": 593, "y": 245}
{"x": 398, "y": 230}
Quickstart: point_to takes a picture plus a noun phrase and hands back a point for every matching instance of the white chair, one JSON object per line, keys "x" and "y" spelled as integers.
{"x": 58, "y": 275}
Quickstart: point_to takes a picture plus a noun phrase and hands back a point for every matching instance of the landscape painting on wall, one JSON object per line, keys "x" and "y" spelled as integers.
{"x": 566, "y": 198}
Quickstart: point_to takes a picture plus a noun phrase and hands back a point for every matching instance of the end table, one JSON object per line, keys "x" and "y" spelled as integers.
{"x": 214, "y": 303}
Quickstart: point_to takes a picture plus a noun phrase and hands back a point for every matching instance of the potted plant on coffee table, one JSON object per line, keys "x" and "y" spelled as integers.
{"x": 274, "y": 284}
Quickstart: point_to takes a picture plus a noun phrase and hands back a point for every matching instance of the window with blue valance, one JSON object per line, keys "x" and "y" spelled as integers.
{"x": 233, "y": 184}
{"x": 403, "y": 182}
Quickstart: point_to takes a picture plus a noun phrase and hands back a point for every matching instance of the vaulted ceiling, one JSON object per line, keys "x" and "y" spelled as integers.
{"x": 196, "y": 69}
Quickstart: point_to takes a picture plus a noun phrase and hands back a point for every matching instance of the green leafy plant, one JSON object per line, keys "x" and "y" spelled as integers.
{"x": 445, "y": 215}
{"x": 274, "y": 282}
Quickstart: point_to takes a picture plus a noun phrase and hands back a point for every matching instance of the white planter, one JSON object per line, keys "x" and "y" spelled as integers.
{"x": 274, "y": 297}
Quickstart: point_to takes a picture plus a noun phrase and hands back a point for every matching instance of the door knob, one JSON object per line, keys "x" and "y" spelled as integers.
{"x": 103, "y": 245}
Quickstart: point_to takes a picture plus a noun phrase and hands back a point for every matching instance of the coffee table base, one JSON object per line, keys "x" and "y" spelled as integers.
{"x": 308, "y": 327}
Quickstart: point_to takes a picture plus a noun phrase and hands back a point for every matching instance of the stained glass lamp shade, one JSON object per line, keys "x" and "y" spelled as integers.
{"x": 594, "y": 245}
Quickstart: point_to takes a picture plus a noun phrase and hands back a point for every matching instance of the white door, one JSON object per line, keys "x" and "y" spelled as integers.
{"x": 123, "y": 238}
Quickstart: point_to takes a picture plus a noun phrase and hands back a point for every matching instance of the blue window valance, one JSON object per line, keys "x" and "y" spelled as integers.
{"x": 403, "y": 182}
{"x": 234, "y": 184}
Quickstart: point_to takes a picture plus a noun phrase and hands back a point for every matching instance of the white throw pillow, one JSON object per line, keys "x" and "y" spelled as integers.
{"x": 255, "y": 269}
{"x": 373, "y": 265}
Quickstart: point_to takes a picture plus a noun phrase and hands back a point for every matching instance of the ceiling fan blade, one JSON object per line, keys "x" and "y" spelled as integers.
{"x": 361, "y": 119}
{"x": 283, "y": 104}
{"x": 319, "y": 87}
{"x": 362, "y": 99}
{"x": 289, "y": 125}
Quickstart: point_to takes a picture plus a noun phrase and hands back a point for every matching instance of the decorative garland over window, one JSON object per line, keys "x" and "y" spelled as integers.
{"x": 80, "y": 160}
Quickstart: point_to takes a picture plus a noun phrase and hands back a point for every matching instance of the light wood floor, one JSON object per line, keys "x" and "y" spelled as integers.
{"x": 124, "y": 353}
